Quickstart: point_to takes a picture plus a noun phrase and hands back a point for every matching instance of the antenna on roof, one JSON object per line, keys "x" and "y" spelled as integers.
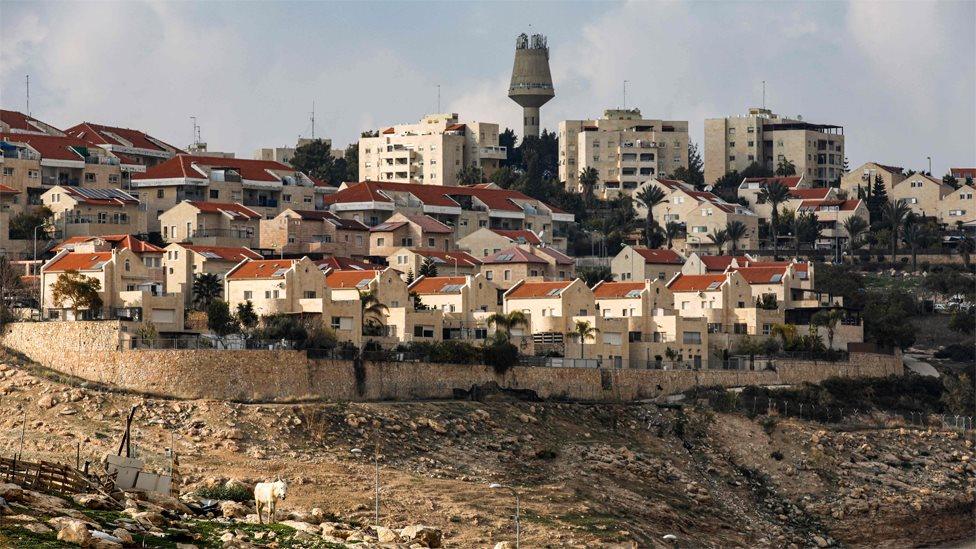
{"x": 438, "y": 98}
{"x": 625, "y": 94}
{"x": 196, "y": 131}
{"x": 28, "y": 95}
{"x": 764, "y": 95}
{"x": 313, "y": 119}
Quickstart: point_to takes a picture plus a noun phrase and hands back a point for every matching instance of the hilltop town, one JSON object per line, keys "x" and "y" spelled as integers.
{"x": 650, "y": 342}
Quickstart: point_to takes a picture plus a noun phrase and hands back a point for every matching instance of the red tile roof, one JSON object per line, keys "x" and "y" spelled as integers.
{"x": 806, "y": 194}
{"x": 616, "y": 289}
{"x": 388, "y": 226}
{"x": 437, "y": 284}
{"x": 261, "y": 269}
{"x": 529, "y": 290}
{"x": 963, "y": 173}
{"x": 118, "y": 241}
{"x": 463, "y": 258}
{"x": 523, "y": 236}
{"x": 346, "y": 264}
{"x": 8, "y": 190}
{"x": 789, "y": 181}
{"x": 122, "y": 137}
{"x": 349, "y": 279}
{"x": 760, "y": 275}
{"x": 815, "y": 205}
{"x": 431, "y": 195}
{"x": 719, "y": 262}
{"x": 429, "y": 224}
{"x": 513, "y": 255}
{"x": 183, "y": 166}
{"x": 696, "y": 283}
{"x": 321, "y": 215}
{"x": 79, "y": 261}
{"x": 234, "y": 254}
{"x": 51, "y": 147}
{"x": 20, "y": 121}
{"x": 232, "y": 208}
{"x": 658, "y": 256}
{"x": 559, "y": 257}
{"x": 890, "y": 169}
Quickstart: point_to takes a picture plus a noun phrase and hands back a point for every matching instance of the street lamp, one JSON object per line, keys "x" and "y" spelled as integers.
{"x": 930, "y": 164}
{"x": 376, "y": 480}
{"x": 518, "y": 530}
{"x": 40, "y": 283}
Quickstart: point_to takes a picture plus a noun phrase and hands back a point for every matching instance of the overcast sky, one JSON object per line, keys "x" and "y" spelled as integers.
{"x": 899, "y": 76}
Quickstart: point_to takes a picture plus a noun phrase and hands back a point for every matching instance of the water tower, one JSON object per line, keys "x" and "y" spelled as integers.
{"x": 531, "y": 85}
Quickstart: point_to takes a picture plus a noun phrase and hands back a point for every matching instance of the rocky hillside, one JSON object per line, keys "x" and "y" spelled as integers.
{"x": 588, "y": 475}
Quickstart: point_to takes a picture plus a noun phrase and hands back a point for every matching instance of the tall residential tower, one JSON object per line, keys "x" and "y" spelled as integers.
{"x": 531, "y": 85}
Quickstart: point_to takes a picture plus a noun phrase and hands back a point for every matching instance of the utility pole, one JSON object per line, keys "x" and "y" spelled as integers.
{"x": 28, "y": 95}
{"x": 764, "y": 95}
{"x": 313, "y": 120}
{"x": 438, "y": 98}
{"x": 930, "y": 164}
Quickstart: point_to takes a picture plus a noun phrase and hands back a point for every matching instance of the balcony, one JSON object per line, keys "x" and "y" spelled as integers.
{"x": 21, "y": 154}
{"x": 261, "y": 202}
{"x": 242, "y": 234}
{"x": 102, "y": 160}
{"x": 63, "y": 181}
{"x": 497, "y": 153}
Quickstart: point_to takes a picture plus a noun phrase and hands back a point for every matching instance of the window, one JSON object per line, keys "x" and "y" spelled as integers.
{"x": 309, "y": 294}
{"x": 34, "y": 174}
{"x": 159, "y": 193}
{"x": 90, "y": 177}
{"x": 380, "y": 241}
{"x": 406, "y": 242}
{"x": 128, "y": 266}
{"x": 693, "y": 338}
{"x": 430, "y": 242}
{"x": 767, "y": 329}
{"x": 714, "y": 327}
{"x": 507, "y": 275}
{"x": 739, "y": 328}
{"x": 341, "y": 323}
{"x": 731, "y": 158}
{"x": 248, "y": 294}
{"x": 8, "y": 171}
{"x": 214, "y": 194}
{"x": 489, "y": 275}
{"x": 582, "y": 312}
{"x": 423, "y": 331}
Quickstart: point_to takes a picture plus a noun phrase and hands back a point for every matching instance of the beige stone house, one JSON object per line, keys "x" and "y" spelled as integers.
{"x": 511, "y": 265}
{"x": 623, "y": 147}
{"x": 431, "y": 152}
{"x": 465, "y": 301}
{"x": 314, "y": 231}
{"x": 958, "y": 206}
{"x": 420, "y": 232}
{"x": 211, "y": 224}
{"x": 128, "y": 291}
{"x": 865, "y": 175}
{"x": 699, "y": 264}
{"x": 456, "y": 263}
{"x": 922, "y": 193}
{"x": 639, "y": 263}
{"x": 139, "y": 148}
{"x": 150, "y": 255}
{"x": 80, "y": 211}
{"x": 182, "y": 263}
{"x": 485, "y": 241}
{"x": 701, "y": 213}
{"x": 831, "y": 215}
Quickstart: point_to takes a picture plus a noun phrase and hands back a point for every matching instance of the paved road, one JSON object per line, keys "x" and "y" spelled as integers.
{"x": 922, "y": 368}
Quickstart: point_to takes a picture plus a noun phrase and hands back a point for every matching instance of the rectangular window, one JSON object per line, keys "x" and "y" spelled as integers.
{"x": 8, "y": 171}
{"x": 90, "y": 177}
{"x": 767, "y": 329}
{"x": 248, "y": 294}
{"x": 309, "y": 294}
{"x": 691, "y": 338}
{"x": 214, "y": 194}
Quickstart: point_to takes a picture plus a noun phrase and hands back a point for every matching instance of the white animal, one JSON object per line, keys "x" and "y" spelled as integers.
{"x": 267, "y": 495}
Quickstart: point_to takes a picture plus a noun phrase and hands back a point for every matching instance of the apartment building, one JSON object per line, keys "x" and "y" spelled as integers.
{"x": 136, "y": 147}
{"x": 409, "y": 231}
{"x": 700, "y": 213}
{"x": 128, "y": 291}
{"x": 211, "y": 224}
{"x": 314, "y": 231}
{"x": 32, "y": 163}
{"x": 641, "y": 263}
{"x": 485, "y": 242}
{"x": 623, "y": 147}
{"x": 285, "y": 154}
{"x": 18, "y": 122}
{"x": 511, "y": 265}
{"x": 431, "y": 152}
{"x": 456, "y": 263}
{"x": 264, "y": 187}
{"x": 464, "y": 209}
{"x": 182, "y": 263}
{"x": 466, "y": 302}
{"x": 726, "y": 302}
{"x": 733, "y": 143}
{"x": 80, "y": 211}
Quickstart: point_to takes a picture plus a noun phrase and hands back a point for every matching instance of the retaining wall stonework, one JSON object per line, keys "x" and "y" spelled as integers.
{"x": 88, "y": 350}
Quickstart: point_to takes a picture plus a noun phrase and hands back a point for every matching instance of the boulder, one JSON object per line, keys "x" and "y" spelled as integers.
{"x": 302, "y": 526}
{"x": 504, "y": 545}
{"x": 37, "y": 528}
{"x": 167, "y": 501}
{"x": 101, "y": 540}
{"x": 424, "y": 535}
{"x": 94, "y": 501}
{"x": 149, "y": 517}
{"x": 76, "y": 532}
{"x": 11, "y": 492}
{"x": 123, "y": 535}
{"x": 386, "y": 535}
{"x": 233, "y": 509}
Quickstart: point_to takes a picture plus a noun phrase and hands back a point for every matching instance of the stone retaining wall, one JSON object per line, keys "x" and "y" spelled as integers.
{"x": 88, "y": 350}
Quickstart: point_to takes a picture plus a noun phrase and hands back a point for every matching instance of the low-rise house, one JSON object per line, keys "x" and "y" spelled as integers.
{"x": 456, "y": 263}
{"x": 958, "y": 206}
{"x": 275, "y": 286}
{"x": 699, "y": 264}
{"x": 80, "y": 211}
{"x": 127, "y": 290}
{"x": 182, "y": 263}
{"x": 339, "y": 263}
{"x": 211, "y": 224}
{"x": 831, "y": 215}
{"x": 314, "y": 231}
{"x": 485, "y": 241}
{"x": 964, "y": 176}
{"x": 858, "y": 181}
{"x": 922, "y": 193}
{"x": 511, "y": 265}
{"x": 465, "y": 301}
{"x": 420, "y": 232}
{"x": 143, "y": 149}
{"x": 641, "y": 263}
{"x": 151, "y": 255}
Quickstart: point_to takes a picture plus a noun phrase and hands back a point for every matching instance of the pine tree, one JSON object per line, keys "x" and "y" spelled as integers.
{"x": 410, "y": 277}
{"x": 877, "y": 198}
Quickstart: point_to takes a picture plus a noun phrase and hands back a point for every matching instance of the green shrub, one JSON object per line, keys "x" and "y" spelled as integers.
{"x": 223, "y": 492}
{"x": 501, "y": 355}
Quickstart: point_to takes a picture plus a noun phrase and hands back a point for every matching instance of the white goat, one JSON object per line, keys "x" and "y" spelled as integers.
{"x": 267, "y": 495}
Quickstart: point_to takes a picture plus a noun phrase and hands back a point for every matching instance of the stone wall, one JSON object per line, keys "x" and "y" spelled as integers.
{"x": 88, "y": 350}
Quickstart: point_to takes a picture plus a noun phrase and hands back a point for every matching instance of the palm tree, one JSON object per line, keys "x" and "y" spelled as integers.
{"x": 916, "y": 236}
{"x": 373, "y": 310}
{"x": 206, "y": 288}
{"x": 894, "y": 214}
{"x": 505, "y": 322}
{"x": 588, "y": 179}
{"x": 855, "y": 228}
{"x": 774, "y": 194}
{"x": 785, "y": 167}
{"x": 805, "y": 229}
{"x": 828, "y": 319}
{"x": 581, "y": 331}
{"x": 735, "y": 231}
{"x": 672, "y": 231}
{"x": 649, "y": 196}
{"x": 719, "y": 238}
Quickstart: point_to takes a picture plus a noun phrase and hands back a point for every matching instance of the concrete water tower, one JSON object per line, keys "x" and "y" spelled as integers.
{"x": 531, "y": 85}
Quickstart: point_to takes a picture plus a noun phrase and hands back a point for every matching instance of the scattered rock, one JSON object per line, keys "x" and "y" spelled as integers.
{"x": 427, "y": 536}
{"x": 76, "y": 532}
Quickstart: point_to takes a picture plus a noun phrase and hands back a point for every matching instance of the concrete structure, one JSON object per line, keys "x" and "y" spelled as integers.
{"x": 456, "y": 263}
{"x": 211, "y": 224}
{"x": 80, "y": 211}
{"x": 314, "y": 231}
{"x": 512, "y": 265}
{"x": 431, "y": 152}
{"x": 531, "y": 85}
{"x": 128, "y": 291}
{"x": 816, "y": 150}
{"x": 464, "y": 209}
{"x": 964, "y": 176}
{"x": 484, "y": 242}
{"x": 624, "y": 148}
{"x": 640, "y": 263}
{"x": 182, "y": 263}
{"x": 285, "y": 154}
{"x": 700, "y": 213}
